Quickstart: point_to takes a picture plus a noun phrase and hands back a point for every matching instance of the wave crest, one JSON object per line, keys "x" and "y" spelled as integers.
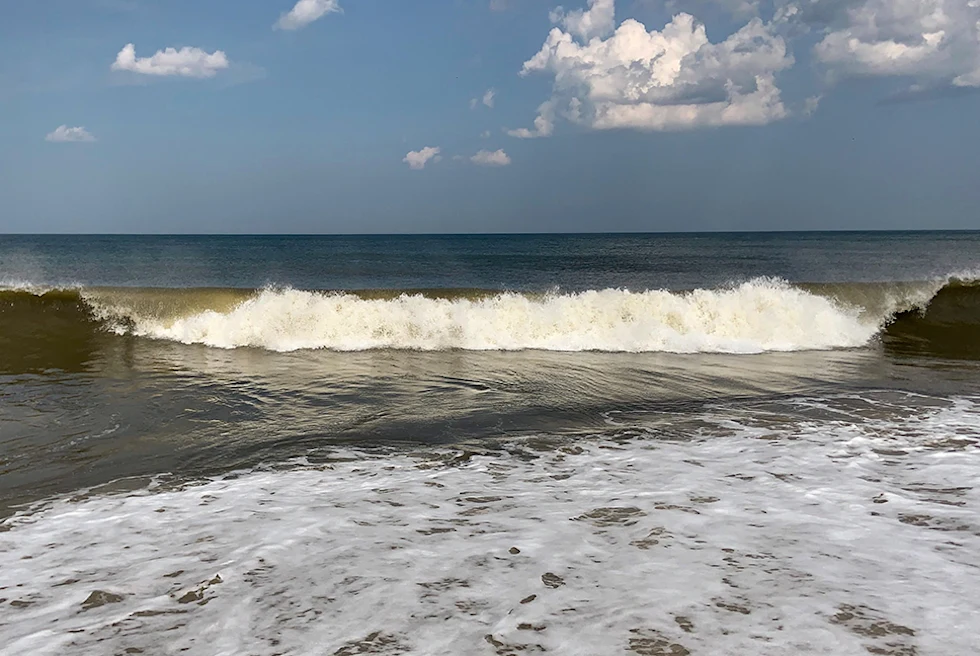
{"x": 760, "y": 315}
{"x": 44, "y": 328}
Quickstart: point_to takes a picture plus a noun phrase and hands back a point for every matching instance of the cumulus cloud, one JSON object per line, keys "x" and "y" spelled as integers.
{"x": 608, "y": 75}
{"x": 305, "y": 12}
{"x": 544, "y": 123}
{"x": 65, "y": 134}
{"x": 186, "y": 62}
{"x": 417, "y": 159}
{"x": 928, "y": 40}
{"x": 491, "y": 158}
{"x": 934, "y": 43}
{"x": 597, "y": 21}
{"x": 629, "y": 77}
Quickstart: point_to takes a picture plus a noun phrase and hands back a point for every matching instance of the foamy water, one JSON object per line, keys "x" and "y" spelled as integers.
{"x": 757, "y": 316}
{"x": 760, "y": 532}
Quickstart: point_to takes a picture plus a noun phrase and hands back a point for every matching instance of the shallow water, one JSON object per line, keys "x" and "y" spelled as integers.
{"x": 759, "y": 466}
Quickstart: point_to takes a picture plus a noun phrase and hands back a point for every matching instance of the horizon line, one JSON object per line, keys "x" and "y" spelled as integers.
{"x": 491, "y": 234}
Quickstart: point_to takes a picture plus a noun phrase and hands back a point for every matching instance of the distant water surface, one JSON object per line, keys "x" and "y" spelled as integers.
{"x": 518, "y": 262}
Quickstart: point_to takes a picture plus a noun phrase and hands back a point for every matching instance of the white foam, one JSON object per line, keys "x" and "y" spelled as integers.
{"x": 762, "y": 315}
{"x": 37, "y": 289}
{"x": 962, "y": 275}
{"x": 821, "y": 536}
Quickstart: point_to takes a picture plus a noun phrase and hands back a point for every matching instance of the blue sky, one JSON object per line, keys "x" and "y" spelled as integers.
{"x": 490, "y": 115}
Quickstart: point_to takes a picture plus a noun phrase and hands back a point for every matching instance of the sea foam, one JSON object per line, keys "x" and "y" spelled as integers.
{"x": 830, "y": 535}
{"x": 756, "y": 316}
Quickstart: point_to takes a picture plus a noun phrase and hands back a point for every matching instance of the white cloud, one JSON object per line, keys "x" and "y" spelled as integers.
{"x": 758, "y": 107}
{"x": 932, "y": 41}
{"x": 485, "y": 134}
{"x": 488, "y": 158}
{"x": 597, "y": 21}
{"x": 186, "y": 62}
{"x": 417, "y": 159}
{"x": 305, "y": 12}
{"x": 65, "y": 134}
{"x": 649, "y": 80}
{"x": 544, "y": 123}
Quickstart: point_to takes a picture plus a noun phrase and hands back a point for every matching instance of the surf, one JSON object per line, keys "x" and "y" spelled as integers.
{"x": 760, "y": 315}
{"x": 749, "y": 318}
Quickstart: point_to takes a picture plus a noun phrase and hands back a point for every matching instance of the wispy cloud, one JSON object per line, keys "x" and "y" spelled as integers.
{"x": 305, "y": 12}
{"x": 811, "y": 104}
{"x": 65, "y": 134}
{"x": 186, "y": 62}
{"x": 491, "y": 158}
{"x": 417, "y": 159}
{"x": 487, "y": 99}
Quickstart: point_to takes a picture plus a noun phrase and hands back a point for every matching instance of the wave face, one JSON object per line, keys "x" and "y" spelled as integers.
{"x": 947, "y": 327}
{"x": 940, "y": 318}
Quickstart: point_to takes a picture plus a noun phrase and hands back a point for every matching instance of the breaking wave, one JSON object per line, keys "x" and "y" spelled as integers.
{"x": 755, "y": 316}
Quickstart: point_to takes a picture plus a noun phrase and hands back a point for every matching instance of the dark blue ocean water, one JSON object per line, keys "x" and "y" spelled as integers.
{"x": 517, "y": 262}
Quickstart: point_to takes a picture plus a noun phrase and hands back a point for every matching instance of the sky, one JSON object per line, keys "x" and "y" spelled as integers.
{"x": 363, "y": 116}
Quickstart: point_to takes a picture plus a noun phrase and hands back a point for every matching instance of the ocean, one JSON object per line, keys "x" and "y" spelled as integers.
{"x": 509, "y": 444}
